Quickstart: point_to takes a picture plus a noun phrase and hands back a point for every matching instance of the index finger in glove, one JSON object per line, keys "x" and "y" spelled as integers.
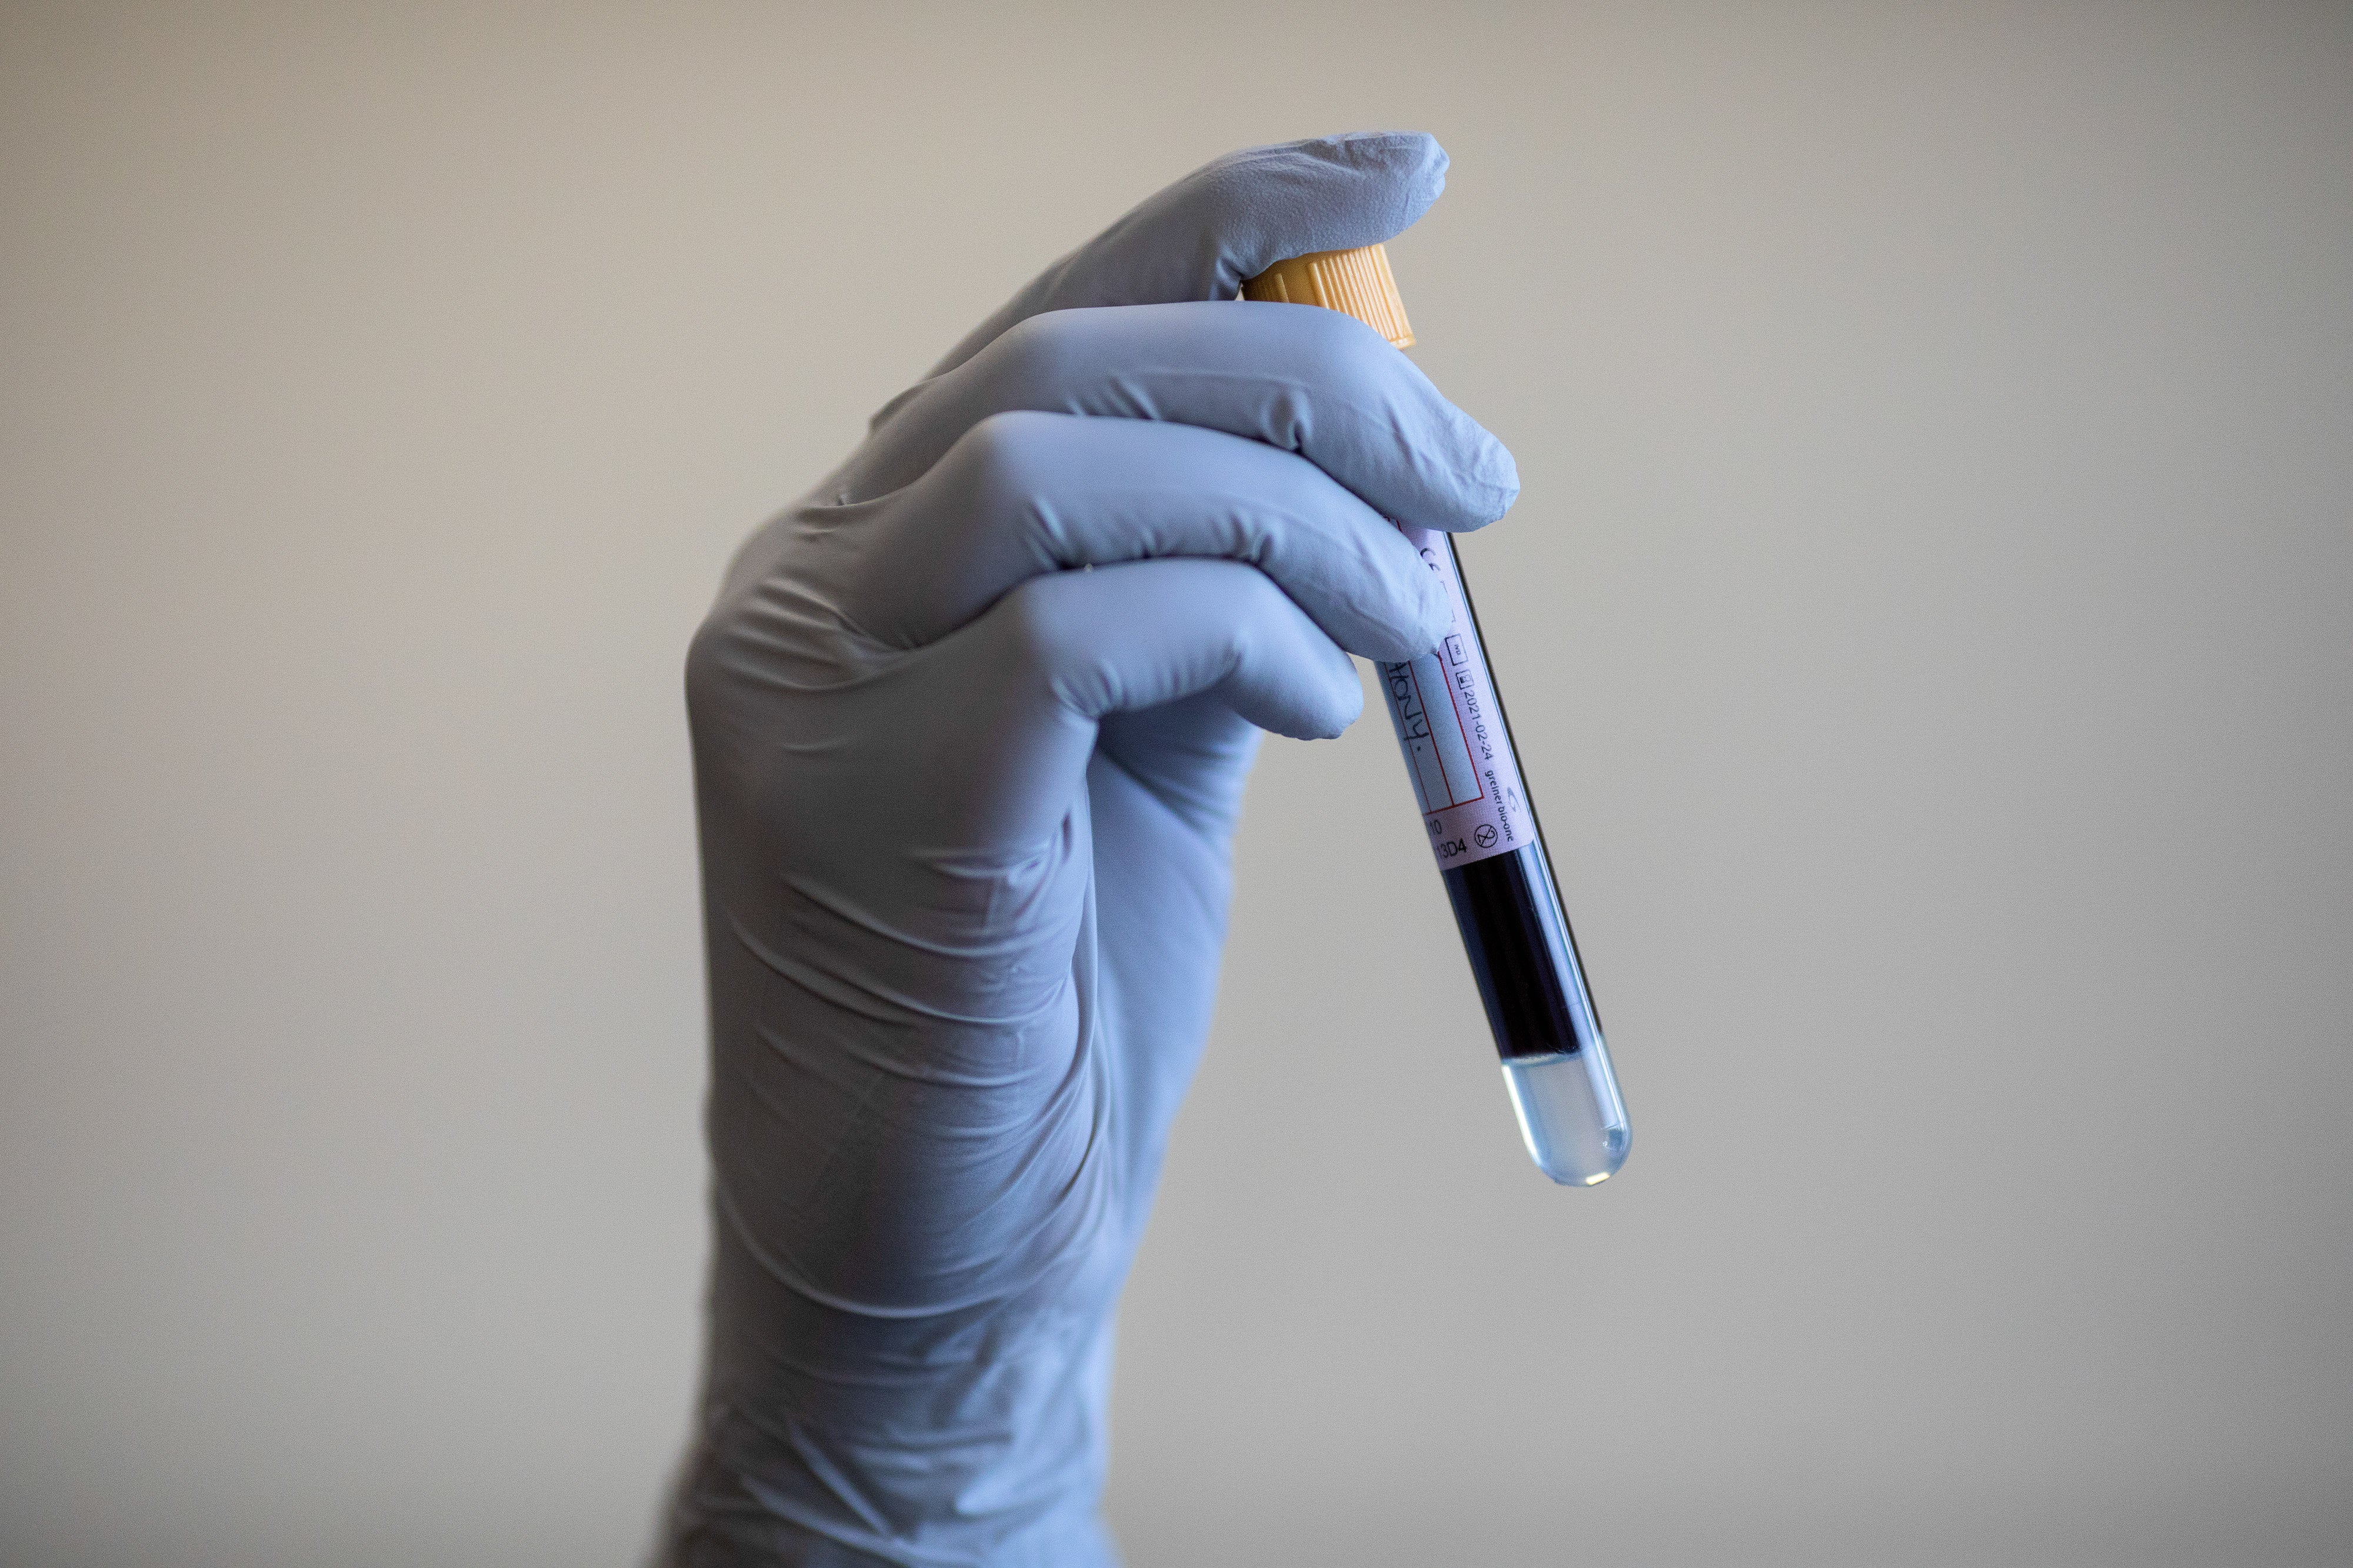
{"x": 1317, "y": 382}
{"x": 1232, "y": 219}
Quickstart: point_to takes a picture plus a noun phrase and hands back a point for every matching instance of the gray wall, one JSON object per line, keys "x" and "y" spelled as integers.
{"x": 1929, "y": 620}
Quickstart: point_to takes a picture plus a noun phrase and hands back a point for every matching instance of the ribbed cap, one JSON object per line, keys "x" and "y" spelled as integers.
{"x": 1355, "y": 282}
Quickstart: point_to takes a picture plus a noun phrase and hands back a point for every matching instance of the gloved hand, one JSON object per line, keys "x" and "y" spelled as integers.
{"x": 971, "y": 723}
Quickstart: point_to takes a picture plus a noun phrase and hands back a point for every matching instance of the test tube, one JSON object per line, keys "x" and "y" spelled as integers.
{"x": 1482, "y": 826}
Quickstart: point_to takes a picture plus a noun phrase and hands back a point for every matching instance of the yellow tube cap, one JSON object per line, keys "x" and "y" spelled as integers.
{"x": 1354, "y": 282}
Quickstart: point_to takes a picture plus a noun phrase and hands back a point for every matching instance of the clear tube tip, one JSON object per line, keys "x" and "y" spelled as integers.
{"x": 1570, "y": 1114}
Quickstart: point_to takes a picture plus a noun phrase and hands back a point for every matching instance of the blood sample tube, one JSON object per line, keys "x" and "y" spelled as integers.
{"x": 1482, "y": 826}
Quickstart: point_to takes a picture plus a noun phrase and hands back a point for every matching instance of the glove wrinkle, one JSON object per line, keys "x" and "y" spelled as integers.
{"x": 861, "y": 992}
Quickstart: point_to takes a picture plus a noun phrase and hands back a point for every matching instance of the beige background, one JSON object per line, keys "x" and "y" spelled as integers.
{"x": 1929, "y": 621}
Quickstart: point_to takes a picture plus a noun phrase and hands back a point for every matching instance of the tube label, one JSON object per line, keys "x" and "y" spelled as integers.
{"x": 1451, "y": 728}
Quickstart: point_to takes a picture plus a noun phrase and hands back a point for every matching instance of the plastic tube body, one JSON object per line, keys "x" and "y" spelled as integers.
{"x": 1458, "y": 749}
{"x": 1482, "y": 826}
